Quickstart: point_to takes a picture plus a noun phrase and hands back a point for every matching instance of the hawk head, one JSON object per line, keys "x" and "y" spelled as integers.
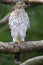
{"x": 19, "y": 5}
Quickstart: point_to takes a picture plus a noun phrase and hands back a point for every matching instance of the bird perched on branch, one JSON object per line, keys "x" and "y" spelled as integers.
{"x": 18, "y": 23}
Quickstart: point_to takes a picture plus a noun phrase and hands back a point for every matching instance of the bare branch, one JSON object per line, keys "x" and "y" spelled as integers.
{"x": 14, "y": 1}
{"x": 8, "y": 47}
{"x": 12, "y": 47}
{"x": 5, "y": 19}
{"x": 34, "y": 61}
{"x": 34, "y": 1}
{"x": 8, "y": 1}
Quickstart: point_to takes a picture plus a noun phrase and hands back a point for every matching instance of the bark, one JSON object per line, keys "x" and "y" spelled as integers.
{"x": 11, "y": 47}
{"x": 34, "y": 1}
{"x": 34, "y": 61}
{"x": 8, "y": 1}
{"x": 14, "y": 1}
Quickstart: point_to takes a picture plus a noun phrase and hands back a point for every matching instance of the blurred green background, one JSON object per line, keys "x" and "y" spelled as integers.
{"x": 35, "y": 32}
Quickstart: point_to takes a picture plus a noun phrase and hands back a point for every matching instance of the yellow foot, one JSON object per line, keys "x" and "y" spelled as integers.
{"x": 18, "y": 41}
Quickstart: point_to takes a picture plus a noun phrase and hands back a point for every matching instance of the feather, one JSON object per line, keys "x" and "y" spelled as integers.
{"x": 19, "y": 23}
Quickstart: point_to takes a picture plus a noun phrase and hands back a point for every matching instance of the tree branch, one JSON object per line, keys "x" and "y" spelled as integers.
{"x": 14, "y": 1}
{"x": 34, "y": 1}
{"x": 34, "y": 61}
{"x": 5, "y": 19}
{"x": 11, "y": 47}
{"x": 8, "y": 1}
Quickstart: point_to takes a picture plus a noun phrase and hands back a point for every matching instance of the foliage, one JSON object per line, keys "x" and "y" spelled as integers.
{"x": 34, "y": 33}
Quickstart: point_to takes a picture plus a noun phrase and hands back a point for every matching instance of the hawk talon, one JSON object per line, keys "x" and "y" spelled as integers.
{"x": 18, "y": 42}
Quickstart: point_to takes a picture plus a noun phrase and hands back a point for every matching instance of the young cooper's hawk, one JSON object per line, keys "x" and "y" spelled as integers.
{"x": 18, "y": 23}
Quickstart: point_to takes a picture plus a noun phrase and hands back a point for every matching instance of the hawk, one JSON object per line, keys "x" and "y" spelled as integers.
{"x": 18, "y": 23}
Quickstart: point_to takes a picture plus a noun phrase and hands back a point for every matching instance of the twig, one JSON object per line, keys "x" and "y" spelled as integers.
{"x": 5, "y": 19}
{"x": 34, "y": 61}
